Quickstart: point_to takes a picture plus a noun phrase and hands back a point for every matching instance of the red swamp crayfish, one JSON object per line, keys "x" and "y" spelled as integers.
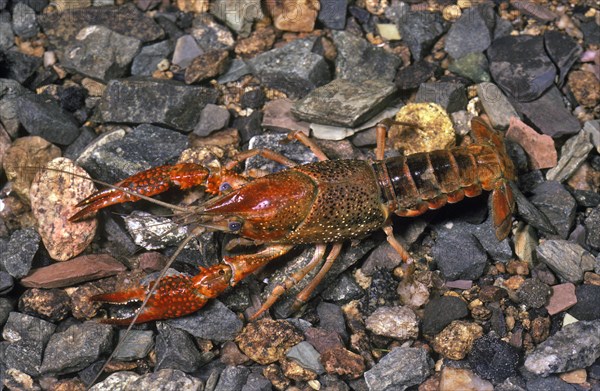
{"x": 321, "y": 203}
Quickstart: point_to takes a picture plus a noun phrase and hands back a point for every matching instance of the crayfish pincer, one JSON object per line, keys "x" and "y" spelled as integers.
{"x": 323, "y": 203}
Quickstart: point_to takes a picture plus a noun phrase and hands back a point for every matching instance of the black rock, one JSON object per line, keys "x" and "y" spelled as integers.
{"x": 440, "y": 312}
{"x": 534, "y": 293}
{"x": 144, "y": 64}
{"x": 586, "y": 198}
{"x": 333, "y": 14}
{"x": 175, "y": 349}
{"x": 293, "y": 68}
{"x": 6, "y": 308}
{"x": 588, "y": 303}
{"x": 471, "y": 33}
{"x": 554, "y": 201}
{"x": 592, "y": 227}
{"x": 18, "y": 252}
{"x": 420, "y": 30}
{"x": 591, "y": 33}
{"x": 232, "y": 378}
{"x": 415, "y": 74}
{"x": 451, "y": 96}
{"x": 549, "y": 114}
{"x": 400, "y": 369}
{"x": 358, "y": 60}
{"x": 253, "y": 99}
{"x": 212, "y": 118}
{"x": 493, "y": 359}
{"x": 6, "y": 283}
{"x": 24, "y": 21}
{"x": 343, "y": 290}
{"x": 237, "y": 68}
{"x": 521, "y": 67}
{"x": 459, "y": 255}
{"x": 527, "y": 211}
{"x": 214, "y": 322}
{"x": 381, "y": 292}
{"x": 62, "y": 27}
{"x": 21, "y": 67}
{"x": 162, "y": 102}
{"x": 248, "y": 126}
{"x": 137, "y": 345}
{"x": 27, "y": 337}
{"x": 118, "y": 155}
{"x": 563, "y": 50}
{"x": 384, "y": 257}
{"x": 72, "y": 98}
{"x": 77, "y": 347}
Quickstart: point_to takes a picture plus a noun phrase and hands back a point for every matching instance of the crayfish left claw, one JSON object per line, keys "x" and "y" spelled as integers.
{"x": 174, "y": 297}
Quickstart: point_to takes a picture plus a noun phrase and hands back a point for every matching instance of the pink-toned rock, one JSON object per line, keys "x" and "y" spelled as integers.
{"x": 151, "y": 261}
{"x": 563, "y": 297}
{"x": 278, "y": 115}
{"x": 75, "y": 271}
{"x": 459, "y": 284}
{"x": 453, "y": 379}
{"x": 539, "y": 147}
{"x": 55, "y": 192}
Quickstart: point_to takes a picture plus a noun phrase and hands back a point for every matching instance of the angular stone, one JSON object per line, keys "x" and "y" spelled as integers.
{"x": 458, "y": 253}
{"x": 496, "y": 105}
{"x": 18, "y": 252}
{"x": 451, "y": 96}
{"x": 521, "y": 67}
{"x": 399, "y": 369}
{"x": 473, "y": 66}
{"x": 214, "y": 322}
{"x": 175, "y": 349}
{"x": 563, "y": 50}
{"x": 336, "y": 133}
{"x": 293, "y": 68}
{"x": 569, "y": 260}
{"x": 75, "y": 271}
{"x": 306, "y": 355}
{"x": 21, "y": 67}
{"x": 549, "y": 114}
{"x": 24, "y": 21}
{"x": 207, "y": 65}
{"x": 62, "y": 27}
{"x": 239, "y": 15}
{"x": 456, "y": 340}
{"x": 440, "y": 312}
{"x": 420, "y": 30}
{"x": 212, "y": 118}
{"x": 563, "y": 297}
{"x": 415, "y": 74}
{"x": 345, "y": 103}
{"x": 493, "y": 359}
{"x": 394, "y": 322}
{"x": 100, "y": 53}
{"x": 588, "y": 302}
{"x": 539, "y": 147}
{"x": 162, "y": 102}
{"x": 232, "y": 378}
{"x": 186, "y": 49}
{"x": 294, "y": 15}
{"x": 136, "y": 346}
{"x": 559, "y": 206}
{"x": 577, "y": 345}
{"x": 164, "y": 379}
{"x": 333, "y": 14}
{"x": 471, "y": 33}
{"x": 145, "y": 63}
{"x": 7, "y": 37}
{"x": 358, "y": 60}
{"x": 294, "y": 151}
{"x": 210, "y": 35}
{"x": 572, "y": 154}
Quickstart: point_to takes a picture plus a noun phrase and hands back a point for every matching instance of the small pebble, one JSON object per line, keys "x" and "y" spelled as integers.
{"x": 456, "y": 340}
{"x": 563, "y": 297}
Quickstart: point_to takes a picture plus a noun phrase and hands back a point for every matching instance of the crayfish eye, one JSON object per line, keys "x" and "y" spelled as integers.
{"x": 234, "y": 226}
{"x": 224, "y": 187}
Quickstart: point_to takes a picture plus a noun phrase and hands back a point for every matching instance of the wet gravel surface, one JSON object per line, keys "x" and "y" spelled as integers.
{"x": 120, "y": 87}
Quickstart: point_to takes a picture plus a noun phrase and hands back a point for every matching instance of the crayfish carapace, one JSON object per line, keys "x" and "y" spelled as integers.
{"x": 322, "y": 203}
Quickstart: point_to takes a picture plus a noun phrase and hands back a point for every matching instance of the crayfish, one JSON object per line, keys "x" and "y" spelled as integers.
{"x": 323, "y": 203}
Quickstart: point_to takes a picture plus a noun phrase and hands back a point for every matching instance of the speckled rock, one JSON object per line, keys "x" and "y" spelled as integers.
{"x": 569, "y": 260}
{"x": 175, "y": 349}
{"x": 493, "y": 359}
{"x": 54, "y": 194}
{"x": 343, "y": 362}
{"x": 394, "y": 322}
{"x": 456, "y": 340}
{"x": 399, "y": 369}
{"x": 266, "y": 341}
{"x": 166, "y": 379}
{"x": 462, "y": 379}
{"x": 534, "y": 293}
{"x": 50, "y": 304}
{"x": 18, "y": 252}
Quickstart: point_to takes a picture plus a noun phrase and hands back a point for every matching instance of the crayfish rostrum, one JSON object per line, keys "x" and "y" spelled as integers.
{"x": 322, "y": 203}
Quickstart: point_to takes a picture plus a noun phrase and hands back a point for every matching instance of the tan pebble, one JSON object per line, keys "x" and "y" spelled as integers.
{"x": 451, "y": 13}
{"x": 577, "y": 376}
{"x": 456, "y": 340}
{"x": 453, "y": 379}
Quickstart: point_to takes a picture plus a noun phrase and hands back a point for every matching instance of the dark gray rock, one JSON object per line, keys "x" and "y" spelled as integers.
{"x": 41, "y": 116}
{"x": 144, "y": 64}
{"x": 137, "y": 345}
{"x": 215, "y": 322}
{"x": 343, "y": 290}
{"x": 563, "y": 50}
{"x": 118, "y": 155}
{"x": 534, "y": 293}
{"x": 62, "y": 27}
{"x": 27, "y": 337}
{"x": 514, "y": 383}
{"x": 276, "y": 142}
{"x": 100, "y": 53}
{"x": 420, "y": 30}
{"x": 161, "y": 102}
{"x": 175, "y": 349}
{"x": 577, "y": 345}
{"x": 493, "y": 359}
{"x": 18, "y": 252}
{"x": 77, "y": 347}
{"x": 459, "y": 255}
{"x": 307, "y": 356}
{"x": 358, "y": 60}
{"x": 401, "y": 368}
{"x": 6, "y": 307}
{"x": 521, "y": 67}
{"x": 21, "y": 67}
{"x": 164, "y": 379}
{"x": 10, "y": 93}
{"x": 293, "y": 68}
{"x": 554, "y": 201}
{"x": 553, "y": 383}
{"x": 257, "y": 382}
{"x": 212, "y": 118}
{"x": 451, "y": 96}
{"x": 527, "y": 211}
{"x": 210, "y": 35}
{"x": 588, "y": 303}
{"x": 415, "y": 74}
{"x": 591, "y": 35}
{"x": 237, "y": 68}
{"x": 6, "y": 283}
{"x": 331, "y": 318}
{"x": 232, "y": 378}
{"x": 471, "y": 33}
{"x": 333, "y": 14}
{"x": 86, "y": 136}
{"x": 24, "y": 21}
{"x": 496, "y": 106}
{"x": 248, "y": 126}
{"x": 549, "y": 114}
{"x": 592, "y": 227}
{"x": 569, "y": 260}
{"x": 344, "y": 102}
{"x": 253, "y": 99}
{"x": 440, "y": 312}
{"x": 7, "y": 37}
